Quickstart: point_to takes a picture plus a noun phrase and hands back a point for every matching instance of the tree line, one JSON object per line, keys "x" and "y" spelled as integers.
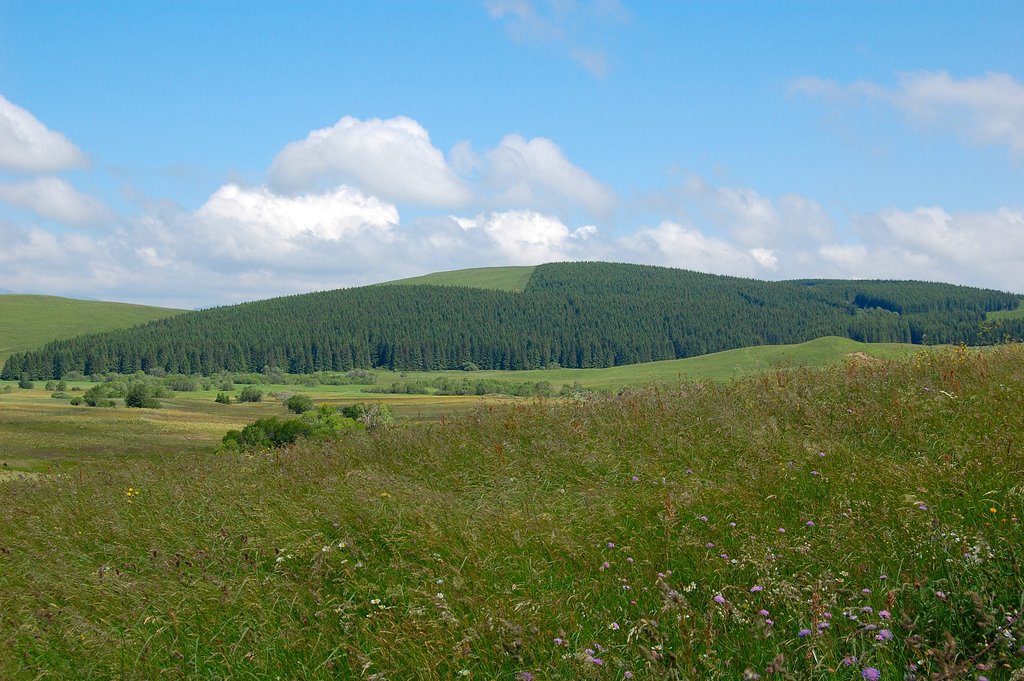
{"x": 570, "y": 314}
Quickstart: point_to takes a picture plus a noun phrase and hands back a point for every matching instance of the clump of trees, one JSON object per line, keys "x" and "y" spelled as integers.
{"x": 299, "y": 404}
{"x": 269, "y": 433}
{"x": 250, "y": 393}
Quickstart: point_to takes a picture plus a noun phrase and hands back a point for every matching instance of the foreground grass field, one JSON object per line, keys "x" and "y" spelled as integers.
{"x": 854, "y": 522}
{"x": 41, "y": 319}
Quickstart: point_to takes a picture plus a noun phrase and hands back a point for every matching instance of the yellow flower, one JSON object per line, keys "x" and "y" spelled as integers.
{"x": 992, "y": 510}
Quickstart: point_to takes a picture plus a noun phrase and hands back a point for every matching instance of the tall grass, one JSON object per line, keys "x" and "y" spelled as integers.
{"x": 807, "y": 524}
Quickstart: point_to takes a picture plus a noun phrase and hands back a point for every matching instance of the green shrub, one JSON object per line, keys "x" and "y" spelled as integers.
{"x": 299, "y": 403}
{"x": 76, "y": 400}
{"x": 250, "y": 394}
{"x": 222, "y": 398}
{"x": 50, "y": 385}
{"x": 25, "y": 383}
{"x": 60, "y": 395}
{"x": 140, "y": 396}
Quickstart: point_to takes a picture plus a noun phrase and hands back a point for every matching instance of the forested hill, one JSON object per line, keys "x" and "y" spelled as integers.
{"x": 572, "y": 314}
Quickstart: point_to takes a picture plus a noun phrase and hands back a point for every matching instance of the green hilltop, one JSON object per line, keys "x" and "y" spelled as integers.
{"x": 513, "y": 278}
{"x": 31, "y": 321}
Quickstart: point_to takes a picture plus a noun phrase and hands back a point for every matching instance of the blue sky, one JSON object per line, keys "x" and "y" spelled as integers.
{"x": 196, "y": 153}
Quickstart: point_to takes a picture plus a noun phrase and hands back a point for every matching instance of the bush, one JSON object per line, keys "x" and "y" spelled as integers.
{"x": 250, "y": 394}
{"x": 25, "y": 383}
{"x": 62, "y": 385}
{"x": 98, "y": 396}
{"x": 370, "y": 415}
{"x": 140, "y": 396}
{"x": 76, "y": 400}
{"x": 60, "y": 395}
{"x": 299, "y": 403}
{"x": 50, "y": 385}
{"x": 181, "y": 383}
{"x": 222, "y": 398}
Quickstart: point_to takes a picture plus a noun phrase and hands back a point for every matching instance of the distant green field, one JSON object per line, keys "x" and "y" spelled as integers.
{"x": 28, "y": 322}
{"x": 719, "y": 366}
{"x": 499, "y": 278}
{"x": 1006, "y": 314}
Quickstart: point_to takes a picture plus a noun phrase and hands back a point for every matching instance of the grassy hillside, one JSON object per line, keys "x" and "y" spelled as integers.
{"x": 30, "y": 321}
{"x": 499, "y": 278}
{"x": 853, "y": 523}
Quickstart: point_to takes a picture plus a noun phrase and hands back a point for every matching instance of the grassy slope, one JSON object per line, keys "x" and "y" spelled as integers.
{"x": 32, "y": 321}
{"x": 522, "y": 538}
{"x": 1007, "y": 314}
{"x": 500, "y": 278}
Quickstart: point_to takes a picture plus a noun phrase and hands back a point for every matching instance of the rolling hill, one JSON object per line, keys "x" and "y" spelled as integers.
{"x": 578, "y": 315}
{"x": 31, "y": 321}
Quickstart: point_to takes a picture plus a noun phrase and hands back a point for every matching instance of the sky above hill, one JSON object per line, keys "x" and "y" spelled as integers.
{"x": 203, "y": 153}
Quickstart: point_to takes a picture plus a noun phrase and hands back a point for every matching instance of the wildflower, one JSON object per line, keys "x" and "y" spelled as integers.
{"x": 611, "y": 545}
{"x": 374, "y": 601}
{"x": 822, "y": 454}
{"x": 614, "y": 626}
{"x": 884, "y": 614}
{"x": 627, "y": 674}
{"x": 815, "y": 473}
{"x": 849, "y": 660}
{"x": 342, "y": 545}
{"x": 703, "y": 518}
{"x": 605, "y": 565}
{"x": 440, "y": 596}
{"x": 922, "y": 507}
{"x": 809, "y": 523}
{"x": 325, "y": 549}
{"x": 709, "y": 545}
{"x": 941, "y": 595}
{"x": 769, "y": 622}
{"x": 732, "y": 524}
{"x": 719, "y": 598}
{"x": 598, "y": 661}
{"x": 782, "y": 530}
{"x": 724, "y": 556}
{"x": 465, "y": 672}
{"x": 992, "y": 510}
{"x": 803, "y": 632}
{"x": 757, "y": 587}
{"x": 525, "y": 676}
{"x": 636, "y": 478}
{"x": 762, "y": 612}
{"x": 867, "y": 609}
{"x": 883, "y": 635}
{"x": 871, "y": 674}
{"x": 629, "y": 560}
{"x": 823, "y": 625}
{"x": 865, "y": 591}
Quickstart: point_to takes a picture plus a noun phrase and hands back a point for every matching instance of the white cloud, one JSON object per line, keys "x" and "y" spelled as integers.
{"x": 257, "y": 223}
{"x": 755, "y": 221}
{"x": 987, "y": 110}
{"x": 536, "y": 174}
{"x": 54, "y": 199}
{"x": 678, "y": 245}
{"x": 26, "y": 145}
{"x": 524, "y": 237}
{"x": 391, "y": 158}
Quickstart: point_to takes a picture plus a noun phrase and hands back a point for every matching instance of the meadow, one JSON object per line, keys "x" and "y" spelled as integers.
{"x": 853, "y": 522}
{"x": 39, "y": 434}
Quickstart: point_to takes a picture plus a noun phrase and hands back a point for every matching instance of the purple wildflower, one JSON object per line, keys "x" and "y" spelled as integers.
{"x": 922, "y": 507}
{"x": 732, "y": 524}
{"x": 611, "y": 545}
{"x": 815, "y": 473}
{"x": 710, "y": 545}
{"x": 867, "y": 609}
{"x": 636, "y": 478}
{"x": 627, "y": 675}
{"x": 703, "y": 518}
{"x": 849, "y": 660}
{"x": 629, "y": 560}
{"x": 803, "y": 632}
{"x": 525, "y": 676}
{"x": 719, "y": 598}
{"x": 809, "y": 523}
{"x": 865, "y": 591}
{"x": 769, "y": 622}
{"x": 757, "y": 587}
{"x": 871, "y": 674}
{"x": 883, "y": 635}
{"x": 782, "y": 530}
{"x": 560, "y": 642}
{"x": 762, "y": 612}
{"x": 598, "y": 661}
{"x": 884, "y": 614}
{"x": 605, "y": 565}
{"x": 614, "y": 626}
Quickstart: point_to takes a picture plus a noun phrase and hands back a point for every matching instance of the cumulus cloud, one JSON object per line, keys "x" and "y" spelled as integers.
{"x": 987, "y": 110}
{"x": 52, "y": 198}
{"x": 535, "y": 173}
{"x": 757, "y": 222}
{"x": 26, "y": 145}
{"x": 523, "y": 237}
{"x": 247, "y": 223}
{"x": 681, "y": 245}
{"x": 391, "y": 158}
